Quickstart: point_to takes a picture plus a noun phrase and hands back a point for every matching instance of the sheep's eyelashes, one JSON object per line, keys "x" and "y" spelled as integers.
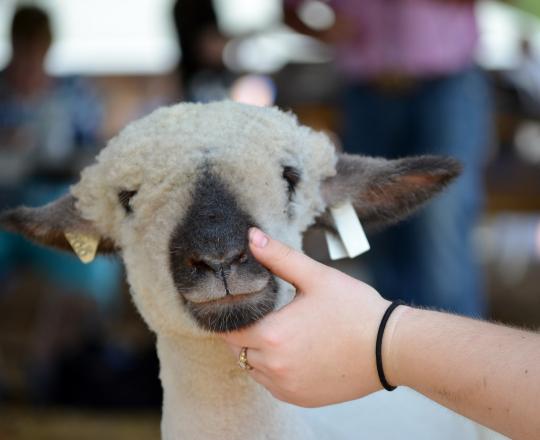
{"x": 125, "y": 197}
{"x": 292, "y": 177}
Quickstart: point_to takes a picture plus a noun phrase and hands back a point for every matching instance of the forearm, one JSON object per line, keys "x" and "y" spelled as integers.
{"x": 486, "y": 372}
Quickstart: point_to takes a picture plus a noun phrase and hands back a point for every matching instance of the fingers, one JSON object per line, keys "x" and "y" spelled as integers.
{"x": 262, "y": 379}
{"x": 254, "y": 358}
{"x": 241, "y": 338}
{"x": 287, "y": 263}
{"x": 261, "y": 373}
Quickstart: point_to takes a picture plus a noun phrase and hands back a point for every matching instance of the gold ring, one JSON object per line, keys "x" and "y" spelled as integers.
{"x": 243, "y": 361}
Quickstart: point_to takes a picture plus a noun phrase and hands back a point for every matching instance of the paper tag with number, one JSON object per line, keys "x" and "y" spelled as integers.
{"x": 350, "y": 240}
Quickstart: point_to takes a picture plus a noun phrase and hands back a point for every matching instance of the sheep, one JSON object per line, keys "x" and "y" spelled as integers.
{"x": 174, "y": 195}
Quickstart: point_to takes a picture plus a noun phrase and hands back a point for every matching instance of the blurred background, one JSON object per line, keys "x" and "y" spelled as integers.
{"x": 454, "y": 77}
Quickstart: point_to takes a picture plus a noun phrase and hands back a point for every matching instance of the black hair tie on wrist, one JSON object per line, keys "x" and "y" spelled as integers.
{"x": 378, "y": 344}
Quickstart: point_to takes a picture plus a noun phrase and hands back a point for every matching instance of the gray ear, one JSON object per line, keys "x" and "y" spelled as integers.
{"x": 386, "y": 191}
{"x": 47, "y": 224}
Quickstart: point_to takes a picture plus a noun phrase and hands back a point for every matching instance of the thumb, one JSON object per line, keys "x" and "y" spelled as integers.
{"x": 287, "y": 263}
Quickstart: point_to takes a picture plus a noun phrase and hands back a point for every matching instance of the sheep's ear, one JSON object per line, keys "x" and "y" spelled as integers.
{"x": 48, "y": 225}
{"x": 386, "y": 191}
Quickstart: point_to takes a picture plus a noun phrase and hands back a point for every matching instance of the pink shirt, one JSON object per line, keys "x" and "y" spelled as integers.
{"x": 415, "y": 37}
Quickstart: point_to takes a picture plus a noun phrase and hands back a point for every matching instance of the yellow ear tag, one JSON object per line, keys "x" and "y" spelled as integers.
{"x": 84, "y": 245}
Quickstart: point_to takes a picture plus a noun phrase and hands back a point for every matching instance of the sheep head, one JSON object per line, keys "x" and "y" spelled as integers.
{"x": 176, "y": 192}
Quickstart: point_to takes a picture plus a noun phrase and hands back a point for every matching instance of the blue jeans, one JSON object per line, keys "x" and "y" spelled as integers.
{"x": 428, "y": 260}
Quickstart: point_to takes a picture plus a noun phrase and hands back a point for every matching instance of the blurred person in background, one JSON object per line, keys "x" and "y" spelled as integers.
{"x": 43, "y": 120}
{"x": 526, "y": 77}
{"x": 412, "y": 88}
{"x": 46, "y": 124}
{"x": 202, "y": 73}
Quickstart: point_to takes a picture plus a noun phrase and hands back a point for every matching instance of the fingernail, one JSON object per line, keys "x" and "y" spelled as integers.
{"x": 257, "y": 238}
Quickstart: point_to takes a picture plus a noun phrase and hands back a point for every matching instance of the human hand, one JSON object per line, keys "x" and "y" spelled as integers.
{"x": 319, "y": 349}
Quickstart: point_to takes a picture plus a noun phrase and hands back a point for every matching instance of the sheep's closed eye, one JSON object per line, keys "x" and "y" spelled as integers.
{"x": 125, "y": 197}
{"x": 292, "y": 177}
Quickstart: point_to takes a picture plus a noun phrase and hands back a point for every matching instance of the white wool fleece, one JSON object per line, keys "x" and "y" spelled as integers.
{"x": 162, "y": 155}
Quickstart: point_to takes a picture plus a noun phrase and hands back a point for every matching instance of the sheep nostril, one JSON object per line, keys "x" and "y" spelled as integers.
{"x": 198, "y": 265}
{"x": 217, "y": 265}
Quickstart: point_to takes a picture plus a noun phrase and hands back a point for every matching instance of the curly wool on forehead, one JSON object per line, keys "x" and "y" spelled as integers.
{"x": 186, "y": 134}
{"x": 243, "y": 144}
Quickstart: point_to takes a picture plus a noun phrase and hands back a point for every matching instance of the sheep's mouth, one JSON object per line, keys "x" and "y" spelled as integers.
{"x": 231, "y": 299}
{"x": 234, "y": 312}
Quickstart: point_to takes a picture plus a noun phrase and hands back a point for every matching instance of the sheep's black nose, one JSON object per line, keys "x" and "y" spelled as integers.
{"x": 218, "y": 264}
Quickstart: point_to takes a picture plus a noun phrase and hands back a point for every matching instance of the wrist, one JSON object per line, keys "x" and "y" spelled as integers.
{"x": 392, "y": 344}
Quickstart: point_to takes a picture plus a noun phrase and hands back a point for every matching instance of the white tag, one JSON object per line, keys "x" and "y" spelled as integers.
{"x": 336, "y": 250}
{"x": 352, "y": 240}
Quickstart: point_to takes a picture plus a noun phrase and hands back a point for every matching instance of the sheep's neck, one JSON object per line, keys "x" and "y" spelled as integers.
{"x": 207, "y": 396}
